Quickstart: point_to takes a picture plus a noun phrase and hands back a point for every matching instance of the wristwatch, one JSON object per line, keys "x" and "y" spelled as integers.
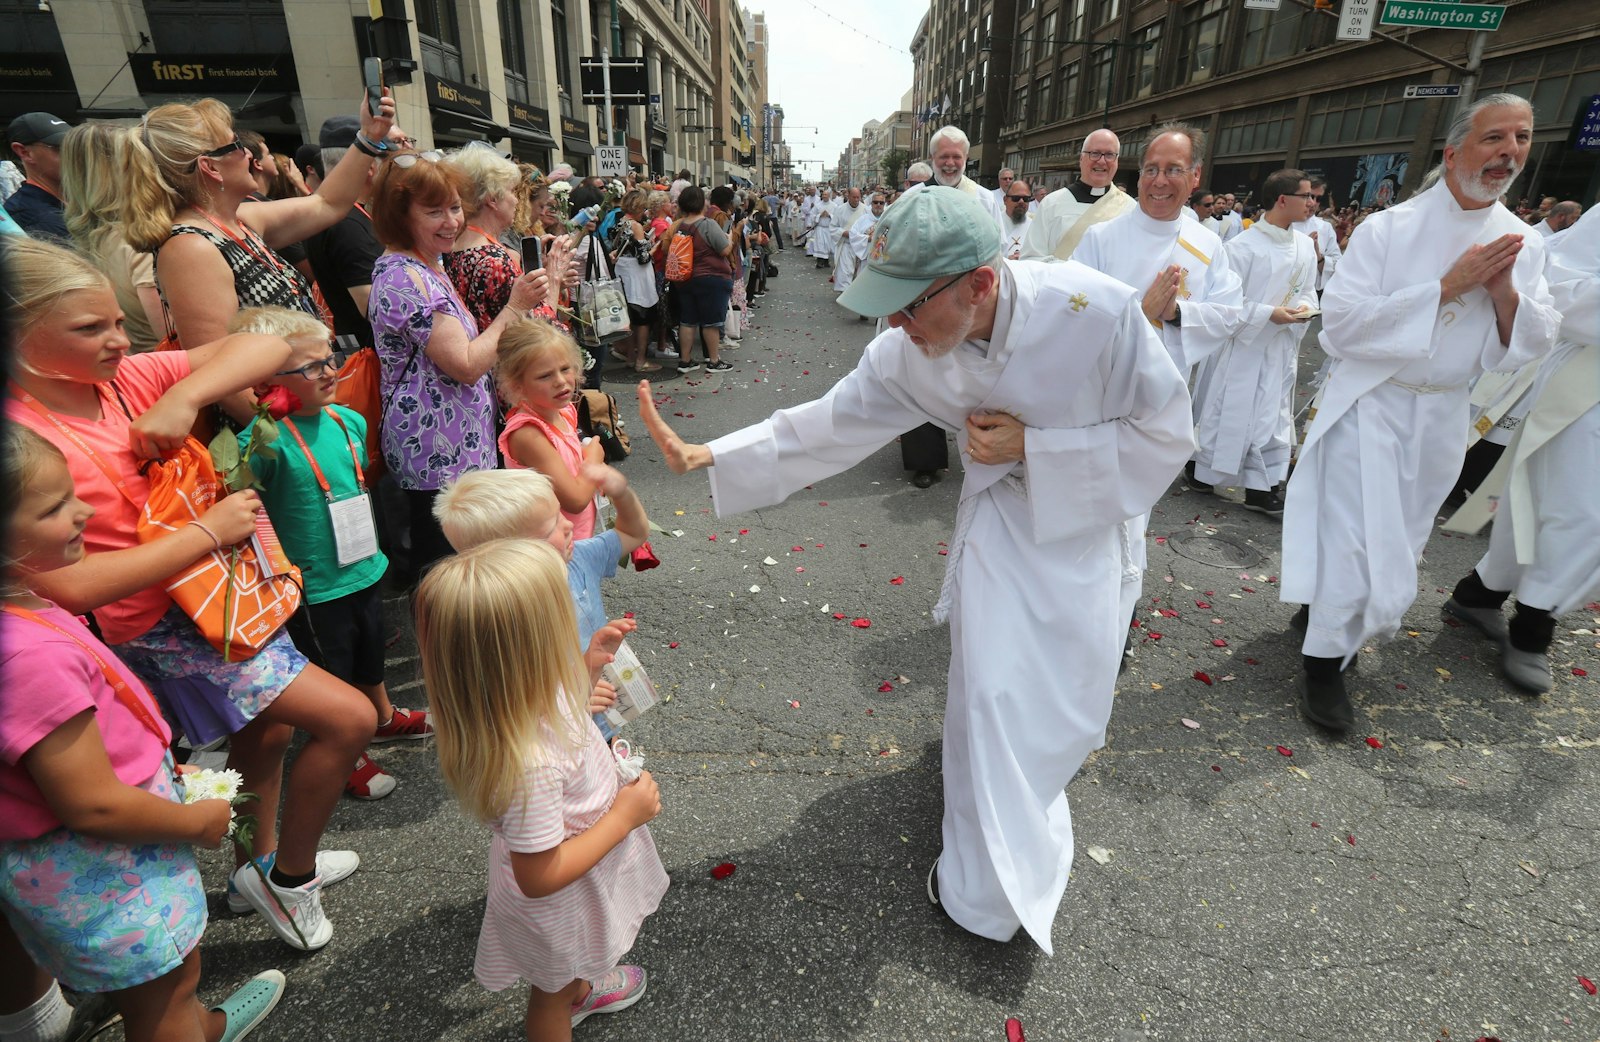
{"x": 1177, "y": 314}
{"x": 375, "y": 149}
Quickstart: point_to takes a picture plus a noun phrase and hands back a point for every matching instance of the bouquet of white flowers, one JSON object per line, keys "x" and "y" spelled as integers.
{"x": 207, "y": 784}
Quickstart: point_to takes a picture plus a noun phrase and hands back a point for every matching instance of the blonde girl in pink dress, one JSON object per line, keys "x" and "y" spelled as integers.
{"x": 539, "y": 369}
{"x": 572, "y": 869}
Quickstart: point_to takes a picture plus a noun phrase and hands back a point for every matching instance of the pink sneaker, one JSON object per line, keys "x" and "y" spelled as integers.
{"x": 619, "y": 988}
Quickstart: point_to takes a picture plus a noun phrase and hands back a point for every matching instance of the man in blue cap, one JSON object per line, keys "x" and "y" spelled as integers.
{"x": 1072, "y": 418}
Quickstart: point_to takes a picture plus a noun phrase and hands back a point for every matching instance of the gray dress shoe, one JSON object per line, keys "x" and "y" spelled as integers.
{"x": 1529, "y": 670}
{"x": 1487, "y": 621}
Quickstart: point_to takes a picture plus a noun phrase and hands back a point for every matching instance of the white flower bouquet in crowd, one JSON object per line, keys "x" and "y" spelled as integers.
{"x": 207, "y": 784}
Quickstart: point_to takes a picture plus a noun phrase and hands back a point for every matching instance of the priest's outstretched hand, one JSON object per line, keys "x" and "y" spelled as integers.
{"x": 681, "y": 456}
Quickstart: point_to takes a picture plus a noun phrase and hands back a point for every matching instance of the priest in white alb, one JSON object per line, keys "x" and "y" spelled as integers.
{"x": 947, "y": 150}
{"x": 1073, "y": 419}
{"x": 1429, "y": 294}
{"x": 1244, "y": 397}
{"x": 1320, "y": 232}
{"x": 819, "y": 228}
{"x": 846, "y": 212}
{"x": 1187, "y": 291}
{"x": 859, "y": 240}
{"x": 1544, "y": 547}
{"x": 1065, "y": 214}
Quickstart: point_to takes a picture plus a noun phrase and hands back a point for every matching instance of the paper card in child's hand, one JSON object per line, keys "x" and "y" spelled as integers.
{"x": 635, "y": 691}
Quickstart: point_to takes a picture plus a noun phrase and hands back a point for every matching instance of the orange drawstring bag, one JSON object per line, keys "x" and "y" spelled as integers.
{"x": 238, "y": 596}
{"x": 357, "y": 388}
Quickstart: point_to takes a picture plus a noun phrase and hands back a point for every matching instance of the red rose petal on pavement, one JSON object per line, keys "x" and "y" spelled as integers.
{"x": 1211, "y": 593}
{"x": 1153, "y": 635}
{"x": 805, "y": 372}
{"x": 819, "y": 546}
{"x": 838, "y": 614}
{"x": 861, "y": 624}
{"x": 712, "y": 537}
{"x": 862, "y": 545}
{"x": 798, "y": 570}
{"x": 1203, "y": 677}
{"x": 1161, "y": 540}
{"x": 898, "y": 580}
{"x": 885, "y": 686}
{"x": 627, "y": 615}
{"x": 1014, "y": 1030}
{"x": 1588, "y": 985}
{"x": 944, "y": 553}
{"x": 1580, "y": 672}
{"x": 1374, "y": 742}
{"x": 1167, "y": 613}
{"x": 1214, "y": 767}
{"x": 793, "y": 704}
{"x": 1218, "y": 642}
{"x": 744, "y": 531}
{"x": 823, "y": 503}
{"x": 724, "y": 870}
{"x": 673, "y": 644}
{"x": 1400, "y": 687}
{"x": 1316, "y": 824}
{"x": 1204, "y": 605}
{"x": 1248, "y": 589}
{"x": 1350, "y": 840}
{"x": 1284, "y": 750}
{"x": 1251, "y": 662}
{"x": 797, "y": 549}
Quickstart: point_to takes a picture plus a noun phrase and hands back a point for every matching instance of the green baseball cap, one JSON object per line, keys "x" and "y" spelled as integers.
{"x": 925, "y": 236}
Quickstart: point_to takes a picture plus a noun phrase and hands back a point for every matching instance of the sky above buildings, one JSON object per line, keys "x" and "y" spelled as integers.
{"x": 827, "y": 71}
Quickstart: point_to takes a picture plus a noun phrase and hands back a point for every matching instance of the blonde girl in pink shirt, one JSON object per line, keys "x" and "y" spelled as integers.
{"x": 538, "y": 371}
{"x": 572, "y": 869}
{"x": 98, "y": 880}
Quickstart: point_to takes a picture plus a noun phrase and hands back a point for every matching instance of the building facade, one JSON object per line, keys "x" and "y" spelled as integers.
{"x": 1028, "y": 80}
{"x": 503, "y": 71}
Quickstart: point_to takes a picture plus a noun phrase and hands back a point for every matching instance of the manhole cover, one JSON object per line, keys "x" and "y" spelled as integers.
{"x": 1218, "y": 551}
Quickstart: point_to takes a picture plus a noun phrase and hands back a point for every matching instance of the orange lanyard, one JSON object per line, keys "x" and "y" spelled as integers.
{"x": 125, "y": 694}
{"x": 322, "y": 479}
{"x": 117, "y": 480}
{"x": 485, "y": 234}
{"x": 248, "y": 244}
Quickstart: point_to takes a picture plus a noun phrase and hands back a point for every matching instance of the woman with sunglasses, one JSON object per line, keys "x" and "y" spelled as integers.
{"x": 188, "y": 178}
{"x": 439, "y": 408}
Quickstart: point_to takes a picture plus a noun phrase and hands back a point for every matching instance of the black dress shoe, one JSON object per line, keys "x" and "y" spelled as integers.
{"x": 922, "y": 478}
{"x": 1193, "y": 482}
{"x": 1324, "y": 702}
{"x": 1301, "y": 620}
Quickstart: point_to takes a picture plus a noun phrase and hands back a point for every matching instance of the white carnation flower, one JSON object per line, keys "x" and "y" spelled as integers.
{"x": 207, "y": 784}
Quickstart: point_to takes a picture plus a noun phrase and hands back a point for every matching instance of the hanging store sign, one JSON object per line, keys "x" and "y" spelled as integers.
{"x": 212, "y": 73}
{"x": 458, "y": 97}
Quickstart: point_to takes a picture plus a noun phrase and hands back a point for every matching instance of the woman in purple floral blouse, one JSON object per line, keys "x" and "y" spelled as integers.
{"x": 438, "y": 398}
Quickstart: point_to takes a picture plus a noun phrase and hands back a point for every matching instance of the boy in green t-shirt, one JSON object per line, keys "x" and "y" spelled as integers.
{"x": 313, "y": 485}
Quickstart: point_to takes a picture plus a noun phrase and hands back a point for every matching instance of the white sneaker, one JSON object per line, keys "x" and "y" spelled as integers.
{"x": 333, "y": 866}
{"x": 299, "y": 922}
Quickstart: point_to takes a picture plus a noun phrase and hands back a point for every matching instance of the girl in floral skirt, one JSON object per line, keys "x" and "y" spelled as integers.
{"x": 97, "y": 877}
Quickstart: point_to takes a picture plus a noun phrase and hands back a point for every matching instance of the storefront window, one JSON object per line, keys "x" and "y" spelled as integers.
{"x": 440, "y": 37}
{"x": 1198, "y": 47}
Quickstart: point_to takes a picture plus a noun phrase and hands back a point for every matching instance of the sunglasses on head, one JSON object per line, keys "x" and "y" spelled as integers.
{"x": 407, "y": 160}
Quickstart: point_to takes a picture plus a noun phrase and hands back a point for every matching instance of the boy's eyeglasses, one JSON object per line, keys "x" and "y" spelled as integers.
{"x": 310, "y": 370}
{"x": 407, "y": 160}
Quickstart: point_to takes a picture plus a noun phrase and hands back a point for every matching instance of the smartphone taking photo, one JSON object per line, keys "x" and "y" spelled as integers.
{"x": 532, "y": 253}
{"x": 372, "y": 77}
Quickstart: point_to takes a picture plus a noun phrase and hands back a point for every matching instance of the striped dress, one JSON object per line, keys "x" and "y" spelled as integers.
{"x": 585, "y": 928}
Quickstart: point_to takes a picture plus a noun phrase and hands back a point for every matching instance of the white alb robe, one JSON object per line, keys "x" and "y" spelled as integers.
{"x": 1544, "y": 545}
{"x": 1060, "y": 213}
{"x": 1012, "y": 234}
{"x": 1244, "y": 399}
{"x": 1133, "y": 249}
{"x": 1032, "y": 582}
{"x": 860, "y": 240}
{"x": 1327, "y": 244}
{"x": 1387, "y": 441}
{"x": 820, "y": 244}
{"x": 844, "y": 262}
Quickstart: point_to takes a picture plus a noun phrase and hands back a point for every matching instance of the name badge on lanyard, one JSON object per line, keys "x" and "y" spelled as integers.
{"x": 355, "y": 532}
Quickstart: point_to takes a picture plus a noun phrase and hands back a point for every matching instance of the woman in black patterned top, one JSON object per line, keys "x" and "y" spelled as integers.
{"x": 188, "y": 177}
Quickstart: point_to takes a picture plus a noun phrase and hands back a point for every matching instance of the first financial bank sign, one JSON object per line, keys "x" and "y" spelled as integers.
{"x": 212, "y": 73}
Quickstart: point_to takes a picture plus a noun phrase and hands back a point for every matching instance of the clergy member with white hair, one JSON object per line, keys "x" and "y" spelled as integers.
{"x": 947, "y": 149}
{"x": 860, "y": 238}
{"x": 1429, "y": 295}
{"x": 1072, "y": 419}
{"x": 820, "y": 229}
{"x": 1094, "y": 197}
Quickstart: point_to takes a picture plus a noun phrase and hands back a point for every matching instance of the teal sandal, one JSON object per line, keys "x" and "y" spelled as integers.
{"x": 249, "y": 1006}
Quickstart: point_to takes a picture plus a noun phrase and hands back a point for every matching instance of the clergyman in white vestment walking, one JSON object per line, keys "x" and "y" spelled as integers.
{"x": 1544, "y": 546}
{"x": 1065, "y": 214}
{"x": 1429, "y": 294}
{"x": 1187, "y": 291}
{"x": 1244, "y": 399}
{"x": 1073, "y": 419}
{"x": 846, "y": 213}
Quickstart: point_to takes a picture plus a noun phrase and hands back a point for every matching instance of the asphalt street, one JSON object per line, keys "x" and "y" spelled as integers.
{"x": 1239, "y": 876}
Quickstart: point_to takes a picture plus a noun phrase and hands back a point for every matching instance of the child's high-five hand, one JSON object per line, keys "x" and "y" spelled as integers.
{"x": 633, "y": 527}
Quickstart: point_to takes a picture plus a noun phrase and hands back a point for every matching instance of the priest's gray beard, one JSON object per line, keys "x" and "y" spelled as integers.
{"x": 1479, "y": 190}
